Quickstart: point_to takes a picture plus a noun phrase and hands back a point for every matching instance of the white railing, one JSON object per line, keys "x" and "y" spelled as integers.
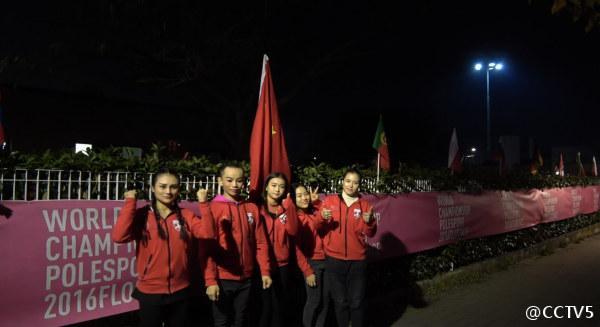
{"x": 51, "y": 184}
{"x": 370, "y": 185}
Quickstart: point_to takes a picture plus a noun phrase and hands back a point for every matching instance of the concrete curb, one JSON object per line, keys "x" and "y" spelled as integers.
{"x": 435, "y": 287}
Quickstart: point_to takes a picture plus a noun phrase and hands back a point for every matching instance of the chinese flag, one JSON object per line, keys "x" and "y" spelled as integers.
{"x": 380, "y": 144}
{"x": 267, "y": 143}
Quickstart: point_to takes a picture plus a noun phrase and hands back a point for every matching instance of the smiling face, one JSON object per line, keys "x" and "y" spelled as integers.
{"x": 232, "y": 181}
{"x": 302, "y": 197}
{"x": 275, "y": 189}
{"x": 166, "y": 188}
{"x": 350, "y": 184}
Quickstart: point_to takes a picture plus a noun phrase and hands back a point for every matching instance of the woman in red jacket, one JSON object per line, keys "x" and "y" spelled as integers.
{"x": 163, "y": 236}
{"x": 240, "y": 247}
{"x": 310, "y": 255}
{"x": 281, "y": 224}
{"x": 350, "y": 222}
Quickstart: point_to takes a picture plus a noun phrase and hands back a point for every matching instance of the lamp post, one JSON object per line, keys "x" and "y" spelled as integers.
{"x": 490, "y": 66}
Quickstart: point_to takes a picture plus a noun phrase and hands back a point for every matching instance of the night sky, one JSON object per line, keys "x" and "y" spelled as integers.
{"x": 137, "y": 72}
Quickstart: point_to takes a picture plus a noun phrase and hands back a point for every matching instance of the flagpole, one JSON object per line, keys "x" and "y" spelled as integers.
{"x": 378, "y": 160}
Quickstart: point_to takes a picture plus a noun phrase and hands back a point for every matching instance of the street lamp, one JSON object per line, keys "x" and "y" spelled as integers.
{"x": 490, "y": 66}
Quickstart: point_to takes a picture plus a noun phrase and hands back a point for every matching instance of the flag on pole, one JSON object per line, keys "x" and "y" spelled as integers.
{"x": 454, "y": 159}
{"x": 267, "y": 143}
{"x": 380, "y": 144}
{"x": 561, "y": 166}
{"x": 580, "y": 170}
{"x": 594, "y": 167}
{"x": 2, "y": 136}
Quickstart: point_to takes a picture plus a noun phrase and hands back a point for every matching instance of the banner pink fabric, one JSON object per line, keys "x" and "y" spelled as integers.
{"x": 59, "y": 264}
{"x": 60, "y": 267}
{"x": 416, "y": 222}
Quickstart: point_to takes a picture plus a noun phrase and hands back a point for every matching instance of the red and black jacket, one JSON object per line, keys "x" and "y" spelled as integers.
{"x": 309, "y": 241}
{"x": 347, "y": 230}
{"x": 281, "y": 227}
{"x": 162, "y": 264}
{"x": 239, "y": 244}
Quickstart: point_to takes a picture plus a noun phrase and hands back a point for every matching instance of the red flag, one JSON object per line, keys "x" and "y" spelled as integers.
{"x": 267, "y": 143}
{"x": 454, "y": 159}
{"x": 380, "y": 144}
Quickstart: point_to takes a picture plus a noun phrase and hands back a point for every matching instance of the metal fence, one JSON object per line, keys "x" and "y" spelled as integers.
{"x": 45, "y": 184}
{"x": 49, "y": 184}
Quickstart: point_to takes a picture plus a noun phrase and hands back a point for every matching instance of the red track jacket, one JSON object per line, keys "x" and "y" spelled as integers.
{"x": 240, "y": 242}
{"x": 162, "y": 264}
{"x": 347, "y": 230}
{"x": 309, "y": 242}
{"x": 280, "y": 231}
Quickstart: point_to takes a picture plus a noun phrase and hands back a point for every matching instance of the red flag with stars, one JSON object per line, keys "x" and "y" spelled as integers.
{"x": 267, "y": 143}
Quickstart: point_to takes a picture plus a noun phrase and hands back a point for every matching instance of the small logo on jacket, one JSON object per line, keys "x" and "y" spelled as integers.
{"x": 357, "y": 213}
{"x": 250, "y": 218}
{"x": 176, "y": 225}
{"x": 283, "y": 218}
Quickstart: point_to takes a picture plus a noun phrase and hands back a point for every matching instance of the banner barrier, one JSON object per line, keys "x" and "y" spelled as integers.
{"x": 60, "y": 266}
{"x": 415, "y": 222}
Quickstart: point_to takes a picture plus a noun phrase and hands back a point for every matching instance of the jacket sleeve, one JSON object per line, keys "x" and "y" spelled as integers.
{"x": 300, "y": 257}
{"x": 203, "y": 227}
{"x": 368, "y": 229}
{"x": 123, "y": 230}
{"x": 262, "y": 247}
{"x": 291, "y": 226}
{"x": 208, "y": 251}
{"x": 316, "y": 220}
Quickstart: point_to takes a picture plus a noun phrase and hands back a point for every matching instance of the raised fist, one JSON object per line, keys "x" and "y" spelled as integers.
{"x": 131, "y": 194}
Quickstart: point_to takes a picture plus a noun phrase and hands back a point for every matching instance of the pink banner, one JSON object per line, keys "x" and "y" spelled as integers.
{"x": 416, "y": 222}
{"x": 61, "y": 267}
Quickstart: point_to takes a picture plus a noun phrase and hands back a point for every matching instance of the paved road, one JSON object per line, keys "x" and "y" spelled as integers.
{"x": 569, "y": 276}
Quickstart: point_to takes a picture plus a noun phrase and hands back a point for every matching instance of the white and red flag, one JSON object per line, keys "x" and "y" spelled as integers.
{"x": 454, "y": 156}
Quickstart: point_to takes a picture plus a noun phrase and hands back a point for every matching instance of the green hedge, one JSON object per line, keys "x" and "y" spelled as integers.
{"x": 473, "y": 180}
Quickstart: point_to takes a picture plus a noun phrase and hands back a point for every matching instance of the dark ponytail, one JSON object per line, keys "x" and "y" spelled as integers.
{"x": 140, "y": 232}
{"x": 183, "y": 234}
{"x": 161, "y": 231}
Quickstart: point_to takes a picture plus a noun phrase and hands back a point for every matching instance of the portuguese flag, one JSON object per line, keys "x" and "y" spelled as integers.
{"x": 380, "y": 144}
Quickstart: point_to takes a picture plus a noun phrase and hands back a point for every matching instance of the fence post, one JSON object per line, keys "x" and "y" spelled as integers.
{"x": 69, "y": 186}
{"x": 37, "y": 184}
